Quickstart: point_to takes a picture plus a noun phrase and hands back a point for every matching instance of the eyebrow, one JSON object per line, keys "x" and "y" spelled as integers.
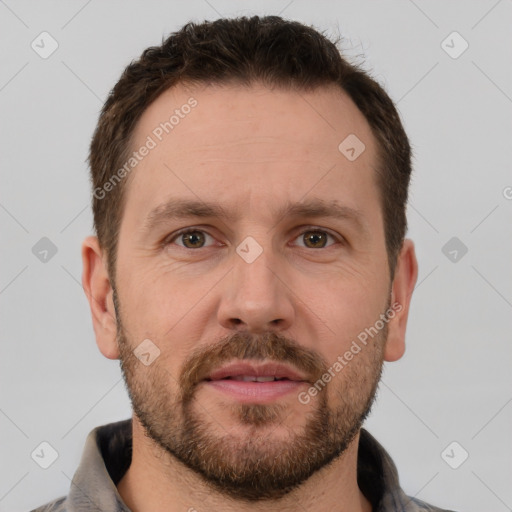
{"x": 175, "y": 209}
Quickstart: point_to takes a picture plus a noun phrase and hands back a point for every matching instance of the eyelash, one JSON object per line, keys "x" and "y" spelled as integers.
{"x": 170, "y": 239}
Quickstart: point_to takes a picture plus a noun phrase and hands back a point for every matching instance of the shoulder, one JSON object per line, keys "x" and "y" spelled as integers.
{"x": 58, "y": 505}
{"x": 416, "y": 505}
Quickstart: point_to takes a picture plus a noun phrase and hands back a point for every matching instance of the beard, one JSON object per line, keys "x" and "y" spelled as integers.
{"x": 254, "y": 461}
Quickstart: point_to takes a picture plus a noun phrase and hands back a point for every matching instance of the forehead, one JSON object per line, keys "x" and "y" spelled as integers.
{"x": 244, "y": 145}
{"x": 318, "y": 118}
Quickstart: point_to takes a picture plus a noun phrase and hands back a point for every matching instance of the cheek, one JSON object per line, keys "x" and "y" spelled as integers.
{"x": 169, "y": 311}
{"x": 154, "y": 298}
{"x": 345, "y": 309}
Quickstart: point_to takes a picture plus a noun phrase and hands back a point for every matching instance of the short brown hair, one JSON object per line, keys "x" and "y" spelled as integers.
{"x": 268, "y": 50}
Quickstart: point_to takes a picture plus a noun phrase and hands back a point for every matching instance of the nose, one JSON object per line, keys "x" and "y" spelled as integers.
{"x": 255, "y": 297}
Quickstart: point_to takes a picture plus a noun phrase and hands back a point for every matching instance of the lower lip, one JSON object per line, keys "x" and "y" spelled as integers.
{"x": 260, "y": 392}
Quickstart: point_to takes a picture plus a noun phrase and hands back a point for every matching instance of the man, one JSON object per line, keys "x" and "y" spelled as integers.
{"x": 251, "y": 274}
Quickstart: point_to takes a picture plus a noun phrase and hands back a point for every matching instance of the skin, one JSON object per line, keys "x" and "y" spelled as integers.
{"x": 251, "y": 150}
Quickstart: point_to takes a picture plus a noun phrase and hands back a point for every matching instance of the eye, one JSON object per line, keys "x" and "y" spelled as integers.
{"x": 190, "y": 239}
{"x": 315, "y": 238}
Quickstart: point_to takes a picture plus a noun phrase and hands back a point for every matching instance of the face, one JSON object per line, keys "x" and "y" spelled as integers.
{"x": 252, "y": 247}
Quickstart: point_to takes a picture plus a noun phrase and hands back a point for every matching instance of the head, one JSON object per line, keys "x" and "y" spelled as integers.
{"x": 249, "y": 206}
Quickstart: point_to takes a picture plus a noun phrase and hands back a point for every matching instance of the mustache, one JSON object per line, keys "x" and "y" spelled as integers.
{"x": 269, "y": 346}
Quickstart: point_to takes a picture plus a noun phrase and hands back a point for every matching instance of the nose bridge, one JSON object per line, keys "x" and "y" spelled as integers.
{"x": 255, "y": 297}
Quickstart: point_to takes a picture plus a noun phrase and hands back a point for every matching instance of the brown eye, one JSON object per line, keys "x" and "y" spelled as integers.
{"x": 193, "y": 239}
{"x": 190, "y": 239}
{"x": 315, "y": 239}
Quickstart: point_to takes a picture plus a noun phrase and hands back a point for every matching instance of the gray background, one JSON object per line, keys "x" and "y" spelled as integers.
{"x": 453, "y": 384}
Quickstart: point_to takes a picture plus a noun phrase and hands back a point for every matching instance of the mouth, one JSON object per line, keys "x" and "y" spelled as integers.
{"x": 244, "y": 371}
{"x": 255, "y": 383}
{"x": 252, "y": 378}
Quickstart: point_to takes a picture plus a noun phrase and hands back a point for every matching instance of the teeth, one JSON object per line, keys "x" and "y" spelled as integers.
{"x": 265, "y": 379}
{"x": 250, "y": 378}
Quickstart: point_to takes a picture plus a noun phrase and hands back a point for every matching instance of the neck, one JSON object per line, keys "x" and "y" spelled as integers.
{"x": 157, "y": 482}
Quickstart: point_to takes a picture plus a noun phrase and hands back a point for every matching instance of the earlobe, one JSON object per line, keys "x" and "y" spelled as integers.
{"x": 406, "y": 274}
{"x": 98, "y": 289}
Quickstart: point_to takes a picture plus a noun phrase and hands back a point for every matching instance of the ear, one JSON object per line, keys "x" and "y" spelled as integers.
{"x": 97, "y": 287}
{"x": 406, "y": 273}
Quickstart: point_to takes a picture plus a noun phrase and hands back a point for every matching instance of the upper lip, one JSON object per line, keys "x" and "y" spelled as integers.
{"x": 270, "y": 369}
